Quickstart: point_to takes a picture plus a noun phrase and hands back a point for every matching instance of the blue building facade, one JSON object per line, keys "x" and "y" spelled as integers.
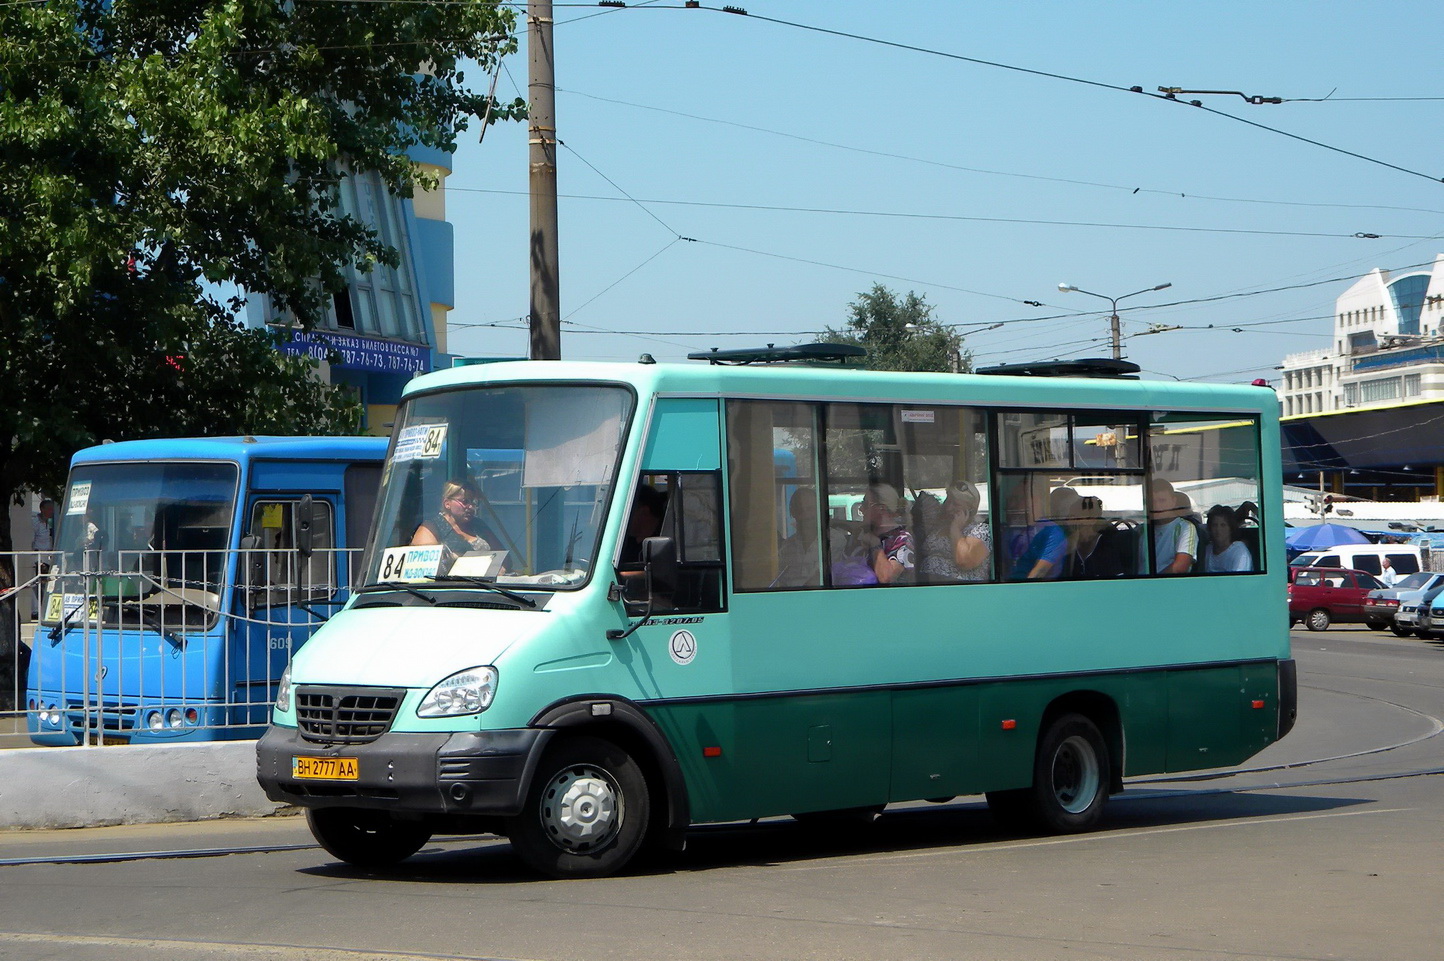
{"x": 389, "y": 324}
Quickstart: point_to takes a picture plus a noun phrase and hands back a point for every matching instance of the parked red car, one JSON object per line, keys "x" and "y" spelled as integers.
{"x": 1319, "y": 596}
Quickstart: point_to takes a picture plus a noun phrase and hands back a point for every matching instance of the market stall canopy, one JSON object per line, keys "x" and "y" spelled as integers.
{"x": 1318, "y": 536}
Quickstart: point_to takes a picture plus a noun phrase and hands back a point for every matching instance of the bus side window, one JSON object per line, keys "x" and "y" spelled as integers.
{"x": 693, "y": 521}
{"x": 276, "y": 565}
{"x": 1214, "y": 461}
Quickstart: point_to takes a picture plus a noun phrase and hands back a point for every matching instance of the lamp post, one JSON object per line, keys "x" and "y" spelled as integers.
{"x": 1113, "y": 301}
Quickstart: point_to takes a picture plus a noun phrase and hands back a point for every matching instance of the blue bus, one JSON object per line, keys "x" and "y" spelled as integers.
{"x": 186, "y": 572}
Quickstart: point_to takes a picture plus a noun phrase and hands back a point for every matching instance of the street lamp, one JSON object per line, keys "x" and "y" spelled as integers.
{"x": 1113, "y": 321}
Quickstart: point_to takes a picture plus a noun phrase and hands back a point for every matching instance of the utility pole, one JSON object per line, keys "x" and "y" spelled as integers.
{"x": 546, "y": 312}
{"x": 1114, "y": 329}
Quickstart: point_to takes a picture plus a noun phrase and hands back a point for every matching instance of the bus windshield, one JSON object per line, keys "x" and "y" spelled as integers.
{"x": 178, "y": 514}
{"x": 506, "y": 485}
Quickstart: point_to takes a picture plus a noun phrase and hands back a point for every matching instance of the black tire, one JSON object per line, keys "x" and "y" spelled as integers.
{"x": 367, "y": 839}
{"x": 1071, "y": 773}
{"x": 1376, "y": 625}
{"x": 1400, "y": 631}
{"x": 1318, "y": 620}
{"x": 1423, "y": 635}
{"x": 586, "y": 812}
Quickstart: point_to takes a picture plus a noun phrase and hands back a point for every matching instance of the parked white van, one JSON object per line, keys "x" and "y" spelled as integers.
{"x": 1404, "y": 558}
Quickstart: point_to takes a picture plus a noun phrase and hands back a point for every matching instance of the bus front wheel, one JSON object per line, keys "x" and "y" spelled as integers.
{"x": 586, "y": 812}
{"x": 367, "y": 839}
{"x": 1070, "y": 781}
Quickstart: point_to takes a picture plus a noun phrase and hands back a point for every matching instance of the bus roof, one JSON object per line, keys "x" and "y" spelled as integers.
{"x": 237, "y": 449}
{"x": 866, "y": 385}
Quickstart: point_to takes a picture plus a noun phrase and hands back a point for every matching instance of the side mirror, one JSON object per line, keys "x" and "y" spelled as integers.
{"x": 659, "y": 560}
{"x": 305, "y": 521}
{"x": 658, "y": 576}
{"x": 253, "y": 563}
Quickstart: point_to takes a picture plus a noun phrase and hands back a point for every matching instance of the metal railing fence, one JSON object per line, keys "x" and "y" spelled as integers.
{"x": 105, "y": 647}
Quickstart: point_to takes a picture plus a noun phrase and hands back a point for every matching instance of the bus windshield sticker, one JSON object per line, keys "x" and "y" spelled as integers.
{"x": 478, "y": 564}
{"x": 420, "y": 442}
{"x": 79, "y": 500}
{"x": 410, "y": 563}
{"x": 917, "y": 416}
{"x": 63, "y": 605}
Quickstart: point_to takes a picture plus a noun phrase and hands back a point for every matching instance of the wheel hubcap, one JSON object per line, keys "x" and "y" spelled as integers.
{"x": 1075, "y": 775}
{"x": 582, "y": 809}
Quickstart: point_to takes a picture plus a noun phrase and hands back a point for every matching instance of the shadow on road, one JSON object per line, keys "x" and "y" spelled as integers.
{"x": 961, "y": 825}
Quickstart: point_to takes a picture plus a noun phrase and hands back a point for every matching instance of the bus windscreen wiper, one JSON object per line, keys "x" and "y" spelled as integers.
{"x": 396, "y": 586}
{"x": 489, "y": 583}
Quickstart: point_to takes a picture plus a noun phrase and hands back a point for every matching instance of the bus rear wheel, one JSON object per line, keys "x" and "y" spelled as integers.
{"x": 1071, "y": 772}
{"x": 586, "y": 812}
{"x": 367, "y": 839}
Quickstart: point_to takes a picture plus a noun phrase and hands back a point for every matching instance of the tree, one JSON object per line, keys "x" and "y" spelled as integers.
{"x": 901, "y": 334}
{"x": 154, "y": 153}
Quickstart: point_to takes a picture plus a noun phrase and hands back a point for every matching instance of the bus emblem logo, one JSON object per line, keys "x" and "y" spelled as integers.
{"x": 684, "y": 647}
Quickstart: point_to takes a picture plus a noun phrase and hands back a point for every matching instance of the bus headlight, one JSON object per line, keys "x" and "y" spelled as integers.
{"x": 283, "y": 691}
{"x": 467, "y": 692}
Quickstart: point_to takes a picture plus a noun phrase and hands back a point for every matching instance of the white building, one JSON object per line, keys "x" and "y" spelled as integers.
{"x": 1388, "y": 347}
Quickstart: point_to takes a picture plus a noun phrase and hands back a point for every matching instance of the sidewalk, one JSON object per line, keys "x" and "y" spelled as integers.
{"x": 156, "y": 839}
{"x": 72, "y": 787}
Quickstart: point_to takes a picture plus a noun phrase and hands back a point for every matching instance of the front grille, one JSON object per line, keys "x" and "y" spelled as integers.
{"x": 109, "y": 717}
{"x": 345, "y": 715}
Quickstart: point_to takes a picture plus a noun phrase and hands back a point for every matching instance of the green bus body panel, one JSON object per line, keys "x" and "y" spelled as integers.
{"x": 787, "y": 754}
{"x": 683, "y": 435}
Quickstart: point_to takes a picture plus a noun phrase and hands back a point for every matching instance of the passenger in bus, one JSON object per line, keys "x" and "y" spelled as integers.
{"x": 1099, "y": 546}
{"x": 883, "y": 553}
{"x": 893, "y": 558}
{"x": 798, "y": 560}
{"x": 956, "y": 545}
{"x": 1225, "y": 552}
{"x": 649, "y": 506}
{"x": 1046, "y": 555}
{"x": 455, "y": 526}
{"x": 1175, "y": 538}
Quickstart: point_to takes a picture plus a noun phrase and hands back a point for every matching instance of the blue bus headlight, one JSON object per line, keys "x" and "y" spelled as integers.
{"x": 467, "y": 692}
{"x": 283, "y": 691}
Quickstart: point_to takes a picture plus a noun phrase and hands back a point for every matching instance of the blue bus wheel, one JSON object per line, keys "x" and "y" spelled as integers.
{"x": 367, "y": 839}
{"x": 586, "y": 813}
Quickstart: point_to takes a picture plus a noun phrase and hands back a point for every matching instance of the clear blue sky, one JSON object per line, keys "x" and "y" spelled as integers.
{"x": 992, "y": 175}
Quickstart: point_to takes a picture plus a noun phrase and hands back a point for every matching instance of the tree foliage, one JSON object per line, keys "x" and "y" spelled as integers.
{"x": 154, "y": 153}
{"x": 901, "y": 333}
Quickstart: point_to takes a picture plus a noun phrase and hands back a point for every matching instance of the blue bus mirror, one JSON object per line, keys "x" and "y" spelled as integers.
{"x": 254, "y": 561}
{"x": 305, "y": 521}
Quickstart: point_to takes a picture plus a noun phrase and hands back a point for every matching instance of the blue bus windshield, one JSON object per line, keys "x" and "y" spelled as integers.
{"x": 115, "y": 509}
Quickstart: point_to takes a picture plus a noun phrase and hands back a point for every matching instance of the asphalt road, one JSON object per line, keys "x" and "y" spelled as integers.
{"x": 1328, "y": 845}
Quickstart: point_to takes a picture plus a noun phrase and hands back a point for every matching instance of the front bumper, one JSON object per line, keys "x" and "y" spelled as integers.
{"x": 485, "y": 772}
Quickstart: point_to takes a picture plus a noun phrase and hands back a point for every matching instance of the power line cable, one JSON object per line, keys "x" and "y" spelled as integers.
{"x": 1131, "y": 189}
{"x": 964, "y": 218}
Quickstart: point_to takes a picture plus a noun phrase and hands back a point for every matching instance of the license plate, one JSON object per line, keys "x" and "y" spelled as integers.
{"x": 325, "y": 768}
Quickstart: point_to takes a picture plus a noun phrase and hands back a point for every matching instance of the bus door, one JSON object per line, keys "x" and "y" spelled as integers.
{"x": 685, "y": 650}
{"x": 287, "y": 577}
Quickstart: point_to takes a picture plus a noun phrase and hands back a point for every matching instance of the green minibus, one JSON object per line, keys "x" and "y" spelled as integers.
{"x": 595, "y": 610}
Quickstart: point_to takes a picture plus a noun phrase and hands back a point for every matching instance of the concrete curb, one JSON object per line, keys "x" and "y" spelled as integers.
{"x": 72, "y": 787}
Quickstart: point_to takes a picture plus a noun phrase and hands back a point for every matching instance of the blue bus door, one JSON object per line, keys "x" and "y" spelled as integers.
{"x": 290, "y": 576}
